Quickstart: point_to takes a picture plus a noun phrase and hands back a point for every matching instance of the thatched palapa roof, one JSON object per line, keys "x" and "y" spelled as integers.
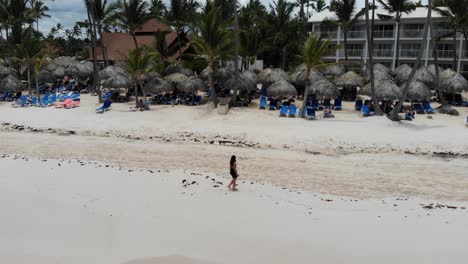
{"x": 349, "y": 80}
{"x": 417, "y": 91}
{"x": 333, "y": 70}
{"x": 384, "y": 90}
{"x": 11, "y": 84}
{"x": 323, "y": 88}
{"x": 298, "y": 77}
{"x": 269, "y": 76}
{"x": 159, "y": 85}
{"x": 117, "y": 81}
{"x": 191, "y": 85}
{"x": 281, "y": 88}
{"x": 455, "y": 84}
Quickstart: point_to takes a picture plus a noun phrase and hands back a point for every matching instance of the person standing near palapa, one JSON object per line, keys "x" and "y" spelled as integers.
{"x": 233, "y": 172}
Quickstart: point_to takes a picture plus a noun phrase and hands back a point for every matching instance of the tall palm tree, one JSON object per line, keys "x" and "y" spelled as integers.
{"x": 39, "y": 10}
{"x": 27, "y": 51}
{"x": 394, "y": 114}
{"x": 456, "y": 13}
{"x": 396, "y": 8}
{"x": 345, "y": 11}
{"x": 177, "y": 15}
{"x": 102, "y": 14}
{"x": 281, "y": 15}
{"x": 212, "y": 40}
{"x": 92, "y": 28}
{"x": 39, "y": 63}
{"x": 319, "y": 6}
{"x": 158, "y": 8}
{"x": 251, "y": 18}
{"x": 131, "y": 15}
{"x": 236, "y": 54}
{"x": 315, "y": 49}
{"x": 301, "y": 4}
{"x": 138, "y": 63}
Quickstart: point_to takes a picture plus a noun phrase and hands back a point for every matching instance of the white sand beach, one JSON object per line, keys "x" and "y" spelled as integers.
{"x": 78, "y": 187}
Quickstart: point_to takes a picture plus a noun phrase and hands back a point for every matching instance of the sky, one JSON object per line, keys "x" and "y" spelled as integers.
{"x": 68, "y": 12}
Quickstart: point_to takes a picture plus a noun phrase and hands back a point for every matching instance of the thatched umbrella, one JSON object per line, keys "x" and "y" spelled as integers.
{"x": 298, "y": 77}
{"x": 192, "y": 85}
{"x": 177, "y": 68}
{"x": 250, "y": 75}
{"x": 72, "y": 70}
{"x": 117, "y": 81}
{"x": 455, "y": 84}
{"x": 45, "y": 76}
{"x": 349, "y": 80}
{"x": 402, "y": 73}
{"x": 269, "y": 76}
{"x": 323, "y": 88}
{"x": 5, "y": 71}
{"x": 425, "y": 76}
{"x": 85, "y": 69}
{"x": 222, "y": 74}
{"x": 447, "y": 74}
{"x": 384, "y": 90}
{"x": 64, "y": 61}
{"x": 176, "y": 78}
{"x": 11, "y": 84}
{"x": 381, "y": 67}
{"x": 281, "y": 88}
{"x": 333, "y": 70}
{"x": 380, "y": 73}
{"x": 112, "y": 70}
{"x": 244, "y": 83}
{"x": 432, "y": 69}
{"x": 159, "y": 85}
{"x": 59, "y": 72}
{"x": 151, "y": 75}
{"x": 417, "y": 91}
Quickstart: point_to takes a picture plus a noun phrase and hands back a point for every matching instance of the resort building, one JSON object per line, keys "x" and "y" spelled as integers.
{"x": 117, "y": 45}
{"x": 385, "y": 31}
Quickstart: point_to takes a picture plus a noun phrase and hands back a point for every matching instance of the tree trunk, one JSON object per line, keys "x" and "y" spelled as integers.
{"x": 394, "y": 114}
{"x": 143, "y": 91}
{"x": 37, "y": 88}
{"x": 95, "y": 62}
{"x": 306, "y": 90}
{"x": 454, "y": 48}
{"x": 236, "y": 56}
{"x": 178, "y": 40}
{"x": 29, "y": 81}
{"x": 214, "y": 96}
{"x": 397, "y": 57}
{"x": 301, "y": 10}
{"x": 283, "y": 64}
{"x": 443, "y": 101}
{"x": 134, "y": 39}
{"x": 136, "y": 94}
{"x": 345, "y": 33}
{"x": 370, "y": 50}
{"x": 104, "y": 52}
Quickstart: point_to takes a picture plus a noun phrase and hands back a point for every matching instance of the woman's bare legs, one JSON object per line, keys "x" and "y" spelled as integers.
{"x": 234, "y": 184}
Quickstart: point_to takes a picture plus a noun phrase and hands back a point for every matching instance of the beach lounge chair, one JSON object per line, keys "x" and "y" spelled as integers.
{"x": 419, "y": 109}
{"x": 105, "y": 107}
{"x": 310, "y": 113}
{"x": 366, "y": 111}
{"x": 23, "y": 102}
{"x": 409, "y": 117}
{"x": 73, "y": 104}
{"x": 427, "y": 106}
{"x": 52, "y": 100}
{"x": 338, "y": 104}
{"x": 284, "y": 110}
{"x": 5, "y": 96}
{"x": 263, "y": 102}
{"x": 106, "y": 96}
{"x": 358, "y": 105}
{"x": 273, "y": 105}
{"x": 315, "y": 104}
{"x": 292, "y": 111}
{"x": 326, "y": 103}
{"x": 197, "y": 100}
{"x": 43, "y": 101}
{"x": 64, "y": 103}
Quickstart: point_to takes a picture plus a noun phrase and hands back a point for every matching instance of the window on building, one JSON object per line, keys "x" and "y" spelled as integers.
{"x": 328, "y": 31}
{"x": 383, "y": 31}
{"x": 354, "y": 50}
{"x": 412, "y": 30}
{"x": 442, "y": 30}
{"x": 356, "y": 31}
{"x": 445, "y": 50}
{"x": 409, "y": 50}
{"x": 383, "y": 49}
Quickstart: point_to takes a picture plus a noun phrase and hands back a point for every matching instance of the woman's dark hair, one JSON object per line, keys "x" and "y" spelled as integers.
{"x": 233, "y": 159}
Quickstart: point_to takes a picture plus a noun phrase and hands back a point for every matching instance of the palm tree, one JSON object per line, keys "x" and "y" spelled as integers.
{"x": 176, "y": 14}
{"x": 301, "y": 4}
{"x": 236, "y": 54}
{"x": 394, "y": 114}
{"x": 212, "y": 40}
{"x": 39, "y": 64}
{"x": 158, "y": 8}
{"x": 27, "y": 51}
{"x": 396, "y": 8}
{"x": 138, "y": 63}
{"x": 370, "y": 50}
{"x": 92, "y": 28}
{"x": 281, "y": 13}
{"x": 319, "y": 6}
{"x": 315, "y": 49}
{"x": 131, "y": 15}
{"x": 251, "y": 17}
{"x": 345, "y": 11}
{"x": 102, "y": 14}
{"x": 457, "y": 16}
{"x": 39, "y": 10}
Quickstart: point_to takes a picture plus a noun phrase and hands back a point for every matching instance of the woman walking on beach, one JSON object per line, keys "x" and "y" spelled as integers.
{"x": 233, "y": 172}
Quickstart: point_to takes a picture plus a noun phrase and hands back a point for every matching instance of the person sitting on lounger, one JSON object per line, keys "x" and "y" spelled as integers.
{"x": 409, "y": 114}
{"x": 327, "y": 113}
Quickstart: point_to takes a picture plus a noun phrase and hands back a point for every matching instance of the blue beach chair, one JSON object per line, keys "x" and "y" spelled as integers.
{"x": 419, "y": 109}
{"x": 292, "y": 111}
{"x": 427, "y": 106}
{"x": 358, "y": 105}
{"x": 326, "y": 103}
{"x": 366, "y": 111}
{"x": 310, "y": 113}
{"x": 338, "y": 105}
{"x": 263, "y": 102}
{"x": 273, "y": 105}
{"x": 284, "y": 110}
{"x": 315, "y": 104}
{"x": 105, "y": 107}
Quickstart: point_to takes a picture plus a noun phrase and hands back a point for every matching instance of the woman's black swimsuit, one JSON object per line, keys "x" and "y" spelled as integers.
{"x": 233, "y": 172}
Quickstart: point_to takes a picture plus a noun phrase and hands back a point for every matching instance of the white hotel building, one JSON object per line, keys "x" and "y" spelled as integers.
{"x": 411, "y": 34}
